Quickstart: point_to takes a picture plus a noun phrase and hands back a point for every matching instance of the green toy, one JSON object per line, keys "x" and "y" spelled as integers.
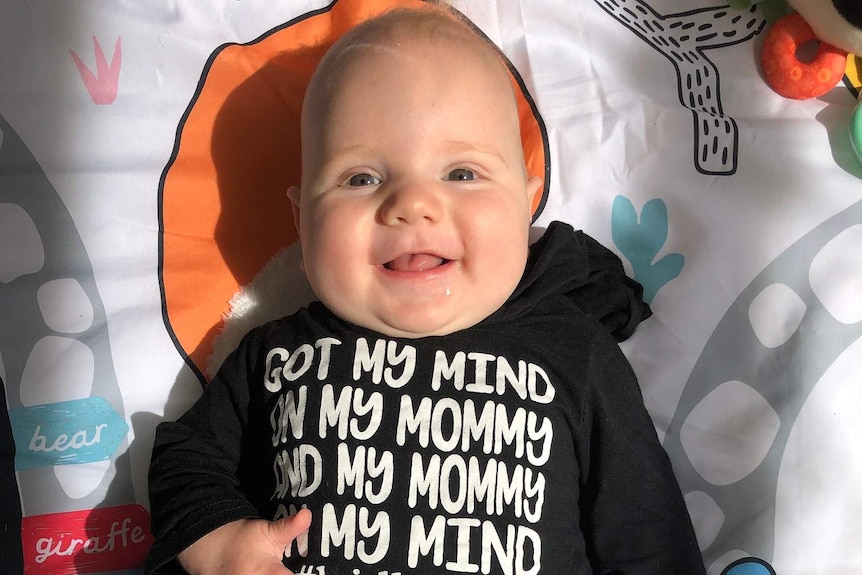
{"x": 856, "y": 131}
{"x": 773, "y": 10}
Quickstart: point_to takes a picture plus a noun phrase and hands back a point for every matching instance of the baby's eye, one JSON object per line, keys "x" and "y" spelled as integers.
{"x": 461, "y": 175}
{"x": 359, "y": 180}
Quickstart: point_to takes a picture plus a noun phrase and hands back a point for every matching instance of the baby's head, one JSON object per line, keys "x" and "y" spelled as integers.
{"x": 415, "y": 203}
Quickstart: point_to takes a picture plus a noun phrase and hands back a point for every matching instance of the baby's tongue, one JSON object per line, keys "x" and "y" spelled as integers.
{"x": 415, "y": 262}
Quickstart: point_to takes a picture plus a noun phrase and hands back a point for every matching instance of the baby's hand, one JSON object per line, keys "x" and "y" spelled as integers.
{"x": 248, "y": 546}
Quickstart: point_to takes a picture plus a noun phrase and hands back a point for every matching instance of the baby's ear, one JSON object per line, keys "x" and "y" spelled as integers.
{"x": 293, "y": 196}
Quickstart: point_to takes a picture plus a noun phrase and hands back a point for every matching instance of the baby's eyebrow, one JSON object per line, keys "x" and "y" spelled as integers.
{"x": 340, "y": 156}
{"x": 470, "y": 147}
{"x": 355, "y": 150}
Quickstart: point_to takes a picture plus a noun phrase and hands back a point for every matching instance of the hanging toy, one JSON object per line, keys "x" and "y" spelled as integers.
{"x": 856, "y": 129}
{"x": 837, "y": 22}
{"x": 837, "y": 26}
{"x": 789, "y": 76}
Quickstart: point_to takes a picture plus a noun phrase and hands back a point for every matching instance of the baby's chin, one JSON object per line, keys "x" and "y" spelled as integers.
{"x": 412, "y": 327}
{"x": 394, "y": 315}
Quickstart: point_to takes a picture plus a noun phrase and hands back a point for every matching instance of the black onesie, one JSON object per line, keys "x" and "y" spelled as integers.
{"x": 518, "y": 446}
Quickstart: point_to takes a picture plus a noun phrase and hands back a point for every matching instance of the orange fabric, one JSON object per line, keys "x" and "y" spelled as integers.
{"x": 224, "y": 208}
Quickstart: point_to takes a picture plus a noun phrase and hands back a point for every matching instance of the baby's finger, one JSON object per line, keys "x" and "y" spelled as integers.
{"x": 284, "y": 531}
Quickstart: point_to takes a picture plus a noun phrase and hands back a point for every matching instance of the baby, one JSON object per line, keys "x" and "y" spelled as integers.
{"x": 456, "y": 401}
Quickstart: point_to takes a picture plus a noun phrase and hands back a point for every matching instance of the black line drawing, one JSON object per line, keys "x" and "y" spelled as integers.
{"x": 684, "y": 38}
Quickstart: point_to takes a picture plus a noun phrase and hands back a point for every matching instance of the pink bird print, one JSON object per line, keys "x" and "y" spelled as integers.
{"x": 102, "y": 86}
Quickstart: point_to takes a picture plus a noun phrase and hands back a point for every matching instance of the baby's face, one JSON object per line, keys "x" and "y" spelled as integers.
{"x": 414, "y": 210}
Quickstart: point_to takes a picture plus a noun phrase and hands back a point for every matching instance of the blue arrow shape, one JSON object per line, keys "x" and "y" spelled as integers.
{"x": 66, "y": 432}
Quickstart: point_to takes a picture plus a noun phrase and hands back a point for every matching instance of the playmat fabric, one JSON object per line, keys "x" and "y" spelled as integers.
{"x": 145, "y": 148}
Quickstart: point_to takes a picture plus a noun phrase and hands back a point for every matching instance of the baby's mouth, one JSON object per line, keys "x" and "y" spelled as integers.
{"x": 415, "y": 262}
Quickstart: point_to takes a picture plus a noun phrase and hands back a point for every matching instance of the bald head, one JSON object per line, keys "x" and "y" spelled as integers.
{"x": 432, "y": 24}
{"x": 397, "y": 32}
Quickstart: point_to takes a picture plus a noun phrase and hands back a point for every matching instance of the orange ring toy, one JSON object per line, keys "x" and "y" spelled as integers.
{"x": 786, "y": 74}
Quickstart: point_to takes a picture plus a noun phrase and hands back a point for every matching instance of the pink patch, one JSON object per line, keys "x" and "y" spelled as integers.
{"x": 103, "y": 85}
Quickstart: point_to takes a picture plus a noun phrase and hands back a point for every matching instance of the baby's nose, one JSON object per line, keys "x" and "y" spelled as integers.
{"x": 412, "y": 204}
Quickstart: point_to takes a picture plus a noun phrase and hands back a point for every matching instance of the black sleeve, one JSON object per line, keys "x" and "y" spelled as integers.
{"x": 608, "y": 294}
{"x": 193, "y": 479}
{"x": 634, "y": 517}
{"x": 590, "y": 276}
